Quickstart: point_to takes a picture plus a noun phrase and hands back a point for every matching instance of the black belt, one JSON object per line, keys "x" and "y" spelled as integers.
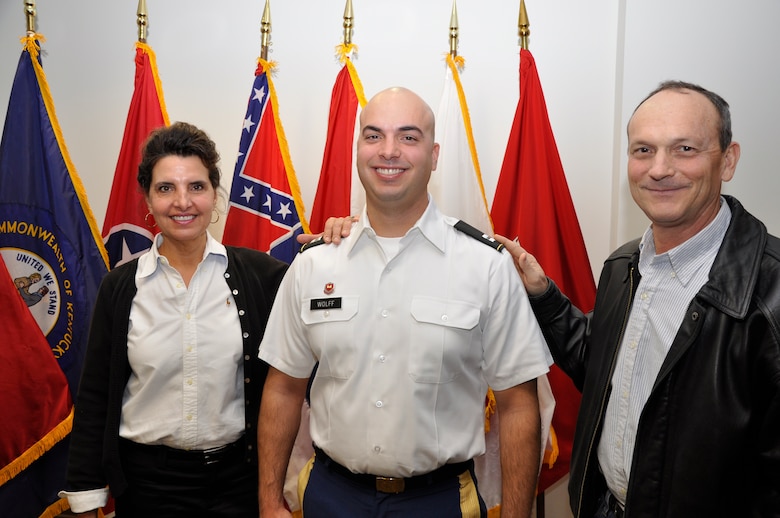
{"x": 395, "y": 484}
{"x": 613, "y": 505}
{"x": 165, "y": 454}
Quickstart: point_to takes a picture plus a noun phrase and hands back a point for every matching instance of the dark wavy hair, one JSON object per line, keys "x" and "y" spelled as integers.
{"x": 179, "y": 139}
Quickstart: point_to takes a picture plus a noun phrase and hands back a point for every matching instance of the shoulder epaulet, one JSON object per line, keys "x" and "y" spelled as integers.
{"x": 478, "y": 235}
{"x": 311, "y": 244}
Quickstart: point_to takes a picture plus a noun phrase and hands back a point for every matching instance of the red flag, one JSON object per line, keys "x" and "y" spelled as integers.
{"x": 34, "y": 393}
{"x": 125, "y": 232}
{"x": 532, "y": 202}
{"x": 334, "y": 192}
{"x": 266, "y": 211}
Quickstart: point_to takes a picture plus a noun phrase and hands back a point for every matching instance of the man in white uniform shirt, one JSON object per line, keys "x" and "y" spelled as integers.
{"x": 410, "y": 318}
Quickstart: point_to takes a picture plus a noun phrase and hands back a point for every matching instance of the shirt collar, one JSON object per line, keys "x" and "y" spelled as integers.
{"x": 431, "y": 226}
{"x": 687, "y": 257}
{"x": 151, "y": 260}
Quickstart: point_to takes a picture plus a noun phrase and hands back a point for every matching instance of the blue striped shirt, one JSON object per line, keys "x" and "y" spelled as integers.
{"x": 669, "y": 283}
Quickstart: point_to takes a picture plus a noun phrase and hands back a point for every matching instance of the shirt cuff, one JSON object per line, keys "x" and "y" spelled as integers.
{"x": 83, "y": 501}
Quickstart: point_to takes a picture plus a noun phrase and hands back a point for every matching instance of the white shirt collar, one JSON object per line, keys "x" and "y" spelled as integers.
{"x": 148, "y": 263}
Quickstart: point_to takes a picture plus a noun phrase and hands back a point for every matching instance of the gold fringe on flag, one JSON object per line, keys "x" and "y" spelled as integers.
{"x": 295, "y": 189}
{"x": 35, "y": 451}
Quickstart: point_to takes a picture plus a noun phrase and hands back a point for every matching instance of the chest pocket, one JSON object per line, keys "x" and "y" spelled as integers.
{"x": 331, "y": 335}
{"x": 445, "y": 339}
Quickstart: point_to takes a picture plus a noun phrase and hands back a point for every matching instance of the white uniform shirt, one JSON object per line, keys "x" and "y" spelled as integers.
{"x": 407, "y": 347}
{"x": 669, "y": 283}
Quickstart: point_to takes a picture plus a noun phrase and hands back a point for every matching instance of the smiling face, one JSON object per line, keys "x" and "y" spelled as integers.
{"x": 675, "y": 164}
{"x": 181, "y": 198}
{"x": 396, "y": 154}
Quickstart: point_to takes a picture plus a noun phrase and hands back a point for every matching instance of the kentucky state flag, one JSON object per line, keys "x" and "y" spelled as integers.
{"x": 52, "y": 249}
{"x": 266, "y": 211}
{"x": 125, "y": 231}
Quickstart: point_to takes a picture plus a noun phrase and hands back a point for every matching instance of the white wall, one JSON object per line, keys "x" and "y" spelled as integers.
{"x": 729, "y": 47}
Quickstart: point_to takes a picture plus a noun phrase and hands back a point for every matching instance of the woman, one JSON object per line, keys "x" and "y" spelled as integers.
{"x": 170, "y": 392}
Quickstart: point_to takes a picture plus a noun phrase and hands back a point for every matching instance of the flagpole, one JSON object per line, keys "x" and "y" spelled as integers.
{"x": 29, "y": 11}
{"x": 523, "y": 33}
{"x": 454, "y": 30}
{"x": 265, "y": 31}
{"x": 349, "y": 18}
{"x": 141, "y": 20}
{"x": 523, "y": 30}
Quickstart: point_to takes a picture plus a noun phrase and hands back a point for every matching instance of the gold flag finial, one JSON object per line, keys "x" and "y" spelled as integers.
{"x": 265, "y": 31}
{"x": 141, "y": 20}
{"x": 29, "y": 12}
{"x": 454, "y": 30}
{"x": 349, "y": 18}
{"x": 523, "y": 25}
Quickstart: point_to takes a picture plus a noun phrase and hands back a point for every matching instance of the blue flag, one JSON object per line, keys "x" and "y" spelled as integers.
{"x": 52, "y": 248}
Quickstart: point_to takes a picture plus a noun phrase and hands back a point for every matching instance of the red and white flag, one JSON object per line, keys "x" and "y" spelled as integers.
{"x": 456, "y": 185}
{"x": 126, "y": 232}
{"x": 339, "y": 192}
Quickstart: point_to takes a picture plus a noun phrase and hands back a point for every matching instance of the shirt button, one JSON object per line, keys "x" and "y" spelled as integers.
{"x": 189, "y": 417}
{"x": 189, "y": 382}
{"x": 444, "y": 318}
{"x": 188, "y": 316}
{"x": 241, "y": 312}
{"x": 385, "y": 313}
{"x": 245, "y": 335}
{"x": 382, "y": 358}
{"x": 235, "y": 292}
{"x": 326, "y": 314}
{"x": 246, "y": 357}
{"x": 377, "y": 449}
{"x": 189, "y": 349}
{"x": 246, "y": 380}
{"x": 227, "y": 275}
{"x": 379, "y": 404}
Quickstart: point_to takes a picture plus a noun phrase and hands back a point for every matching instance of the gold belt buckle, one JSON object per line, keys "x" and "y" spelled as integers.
{"x": 390, "y": 484}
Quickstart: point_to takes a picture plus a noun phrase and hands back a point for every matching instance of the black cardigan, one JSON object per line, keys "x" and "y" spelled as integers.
{"x": 94, "y": 462}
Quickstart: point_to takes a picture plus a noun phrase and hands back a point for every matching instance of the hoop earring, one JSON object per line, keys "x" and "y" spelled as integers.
{"x": 217, "y": 213}
{"x": 146, "y": 220}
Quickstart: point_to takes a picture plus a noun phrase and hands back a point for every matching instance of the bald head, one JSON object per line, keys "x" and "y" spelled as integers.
{"x": 396, "y": 154}
{"x": 405, "y": 101}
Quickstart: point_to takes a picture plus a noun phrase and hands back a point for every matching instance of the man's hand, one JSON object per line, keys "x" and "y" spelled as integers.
{"x": 531, "y": 273}
{"x": 335, "y": 229}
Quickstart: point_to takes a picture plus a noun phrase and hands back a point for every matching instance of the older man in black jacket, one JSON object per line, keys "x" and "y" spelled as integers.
{"x": 679, "y": 362}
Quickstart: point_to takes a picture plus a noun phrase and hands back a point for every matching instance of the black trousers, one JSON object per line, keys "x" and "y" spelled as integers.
{"x": 169, "y": 483}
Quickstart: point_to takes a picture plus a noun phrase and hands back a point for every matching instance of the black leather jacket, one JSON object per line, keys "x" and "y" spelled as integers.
{"x": 708, "y": 441}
